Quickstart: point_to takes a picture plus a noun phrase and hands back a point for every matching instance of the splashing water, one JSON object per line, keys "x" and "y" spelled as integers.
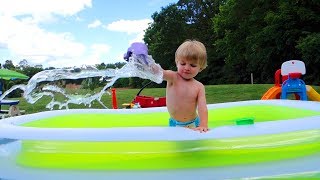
{"x": 142, "y": 66}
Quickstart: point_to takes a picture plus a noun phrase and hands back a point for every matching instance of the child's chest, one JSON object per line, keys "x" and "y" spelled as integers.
{"x": 185, "y": 90}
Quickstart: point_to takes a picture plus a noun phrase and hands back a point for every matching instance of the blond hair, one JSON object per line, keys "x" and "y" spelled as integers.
{"x": 192, "y": 50}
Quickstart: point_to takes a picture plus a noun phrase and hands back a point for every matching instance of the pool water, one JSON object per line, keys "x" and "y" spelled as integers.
{"x": 280, "y": 141}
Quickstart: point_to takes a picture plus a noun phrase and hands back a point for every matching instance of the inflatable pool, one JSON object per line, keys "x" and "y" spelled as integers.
{"x": 274, "y": 138}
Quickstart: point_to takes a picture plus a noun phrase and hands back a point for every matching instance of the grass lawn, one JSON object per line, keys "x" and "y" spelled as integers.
{"x": 214, "y": 94}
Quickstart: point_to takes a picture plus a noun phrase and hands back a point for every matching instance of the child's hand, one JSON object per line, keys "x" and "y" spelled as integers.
{"x": 201, "y": 129}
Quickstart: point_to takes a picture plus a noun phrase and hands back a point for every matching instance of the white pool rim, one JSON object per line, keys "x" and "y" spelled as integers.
{"x": 10, "y": 129}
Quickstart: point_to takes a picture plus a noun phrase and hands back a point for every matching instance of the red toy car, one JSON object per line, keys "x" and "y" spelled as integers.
{"x": 149, "y": 101}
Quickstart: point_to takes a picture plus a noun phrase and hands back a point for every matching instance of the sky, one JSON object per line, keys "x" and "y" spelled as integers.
{"x": 72, "y": 33}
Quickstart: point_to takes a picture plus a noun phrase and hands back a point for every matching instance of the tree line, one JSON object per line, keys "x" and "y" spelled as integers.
{"x": 242, "y": 37}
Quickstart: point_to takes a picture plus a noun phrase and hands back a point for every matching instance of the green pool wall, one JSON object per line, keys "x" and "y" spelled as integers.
{"x": 159, "y": 155}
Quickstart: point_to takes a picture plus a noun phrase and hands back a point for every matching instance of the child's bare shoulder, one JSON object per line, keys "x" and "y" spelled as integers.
{"x": 198, "y": 83}
{"x": 169, "y": 75}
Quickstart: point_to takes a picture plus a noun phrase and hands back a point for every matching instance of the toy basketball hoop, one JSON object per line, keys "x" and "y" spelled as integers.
{"x": 293, "y": 66}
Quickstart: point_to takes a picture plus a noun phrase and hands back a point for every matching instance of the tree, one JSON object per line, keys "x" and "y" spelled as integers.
{"x": 284, "y": 25}
{"x": 23, "y": 63}
{"x": 309, "y": 48}
{"x": 31, "y": 71}
{"x": 188, "y": 19}
{"x": 165, "y": 34}
{"x": 199, "y": 15}
{"x": 258, "y": 36}
{"x": 9, "y": 65}
{"x": 231, "y": 27}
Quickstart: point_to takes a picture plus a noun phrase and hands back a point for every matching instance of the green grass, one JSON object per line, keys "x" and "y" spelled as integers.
{"x": 214, "y": 94}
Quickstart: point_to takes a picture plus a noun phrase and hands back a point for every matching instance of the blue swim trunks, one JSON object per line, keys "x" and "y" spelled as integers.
{"x": 190, "y": 124}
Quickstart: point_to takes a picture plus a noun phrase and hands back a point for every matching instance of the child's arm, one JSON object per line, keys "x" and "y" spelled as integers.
{"x": 168, "y": 75}
{"x": 202, "y": 111}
